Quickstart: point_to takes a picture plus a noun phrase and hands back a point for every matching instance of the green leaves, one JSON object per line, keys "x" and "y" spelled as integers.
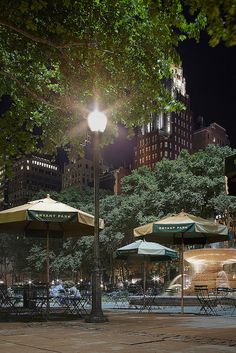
{"x": 58, "y": 57}
{"x": 218, "y": 17}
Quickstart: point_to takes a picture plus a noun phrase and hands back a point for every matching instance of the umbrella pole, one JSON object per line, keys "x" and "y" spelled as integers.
{"x": 144, "y": 280}
{"x": 47, "y": 271}
{"x": 182, "y": 273}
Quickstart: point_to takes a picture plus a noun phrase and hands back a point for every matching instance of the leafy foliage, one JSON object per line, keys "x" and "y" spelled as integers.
{"x": 220, "y": 19}
{"x": 57, "y": 57}
{"x": 193, "y": 182}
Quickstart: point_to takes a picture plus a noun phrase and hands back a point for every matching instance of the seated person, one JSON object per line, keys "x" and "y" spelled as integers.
{"x": 74, "y": 291}
{"x": 57, "y": 290}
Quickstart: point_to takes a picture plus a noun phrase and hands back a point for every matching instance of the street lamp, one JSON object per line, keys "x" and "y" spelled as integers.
{"x": 97, "y": 122}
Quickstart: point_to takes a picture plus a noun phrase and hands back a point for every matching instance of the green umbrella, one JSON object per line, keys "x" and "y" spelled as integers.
{"x": 147, "y": 250}
{"x": 183, "y": 229}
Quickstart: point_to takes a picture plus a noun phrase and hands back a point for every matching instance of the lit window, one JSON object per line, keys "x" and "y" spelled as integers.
{"x": 27, "y": 167}
{"x": 21, "y": 167}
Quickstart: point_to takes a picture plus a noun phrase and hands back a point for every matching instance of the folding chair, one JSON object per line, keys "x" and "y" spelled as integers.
{"x": 207, "y": 300}
{"x": 226, "y": 299}
{"x": 8, "y": 302}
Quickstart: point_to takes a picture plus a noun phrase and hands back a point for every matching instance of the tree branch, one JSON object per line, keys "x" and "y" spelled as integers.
{"x": 42, "y": 40}
{"x": 77, "y": 43}
{"x": 37, "y": 96}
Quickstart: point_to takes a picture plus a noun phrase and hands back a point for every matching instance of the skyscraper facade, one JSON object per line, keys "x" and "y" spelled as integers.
{"x": 31, "y": 174}
{"x": 167, "y": 133}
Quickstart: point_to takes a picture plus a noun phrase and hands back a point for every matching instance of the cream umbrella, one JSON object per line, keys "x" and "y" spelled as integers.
{"x": 183, "y": 229}
{"x": 47, "y": 218}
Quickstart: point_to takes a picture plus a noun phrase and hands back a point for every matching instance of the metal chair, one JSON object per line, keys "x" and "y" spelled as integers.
{"x": 207, "y": 299}
{"x": 8, "y": 302}
{"x": 226, "y": 299}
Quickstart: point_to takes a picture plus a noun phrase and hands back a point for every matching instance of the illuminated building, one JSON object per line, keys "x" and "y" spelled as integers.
{"x": 212, "y": 134}
{"x": 78, "y": 173}
{"x": 167, "y": 133}
{"x": 30, "y": 175}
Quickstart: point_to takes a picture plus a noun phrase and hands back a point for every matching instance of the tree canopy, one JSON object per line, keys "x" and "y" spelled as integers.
{"x": 57, "y": 57}
{"x": 193, "y": 182}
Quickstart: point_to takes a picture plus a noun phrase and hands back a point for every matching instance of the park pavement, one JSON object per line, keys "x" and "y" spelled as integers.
{"x": 126, "y": 332}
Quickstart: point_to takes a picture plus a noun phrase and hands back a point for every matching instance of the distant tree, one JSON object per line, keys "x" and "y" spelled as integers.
{"x": 74, "y": 196}
{"x": 13, "y": 257}
{"x": 193, "y": 182}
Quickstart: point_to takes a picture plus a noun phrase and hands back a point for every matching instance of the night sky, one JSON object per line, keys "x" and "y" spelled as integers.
{"x": 211, "y": 83}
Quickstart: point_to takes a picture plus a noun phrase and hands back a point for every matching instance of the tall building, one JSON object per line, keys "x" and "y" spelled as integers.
{"x": 31, "y": 174}
{"x": 167, "y": 133}
{"x": 119, "y": 174}
{"x": 78, "y": 173}
{"x": 212, "y": 134}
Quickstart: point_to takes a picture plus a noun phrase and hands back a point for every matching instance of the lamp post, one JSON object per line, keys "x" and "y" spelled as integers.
{"x": 97, "y": 123}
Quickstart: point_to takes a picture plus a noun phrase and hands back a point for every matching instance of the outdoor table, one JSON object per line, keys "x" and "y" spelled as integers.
{"x": 120, "y": 299}
{"x": 142, "y": 302}
{"x": 161, "y": 300}
{"x": 73, "y": 305}
{"x": 38, "y": 306}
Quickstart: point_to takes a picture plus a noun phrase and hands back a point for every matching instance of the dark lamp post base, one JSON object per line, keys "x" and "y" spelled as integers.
{"x": 94, "y": 318}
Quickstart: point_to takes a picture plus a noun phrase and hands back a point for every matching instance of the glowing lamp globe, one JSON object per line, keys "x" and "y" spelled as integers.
{"x": 97, "y": 121}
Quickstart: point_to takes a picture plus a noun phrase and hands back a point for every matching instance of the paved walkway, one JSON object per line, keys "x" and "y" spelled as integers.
{"x": 126, "y": 332}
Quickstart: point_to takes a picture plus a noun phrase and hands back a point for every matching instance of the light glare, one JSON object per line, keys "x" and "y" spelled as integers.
{"x": 97, "y": 121}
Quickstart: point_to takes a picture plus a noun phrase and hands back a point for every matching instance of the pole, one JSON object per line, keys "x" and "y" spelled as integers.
{"x": 47, "y": 271}
{"x": 182, "y": 273}
{"x": 144, "y": 281}
{"x": 96, "y": 314}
